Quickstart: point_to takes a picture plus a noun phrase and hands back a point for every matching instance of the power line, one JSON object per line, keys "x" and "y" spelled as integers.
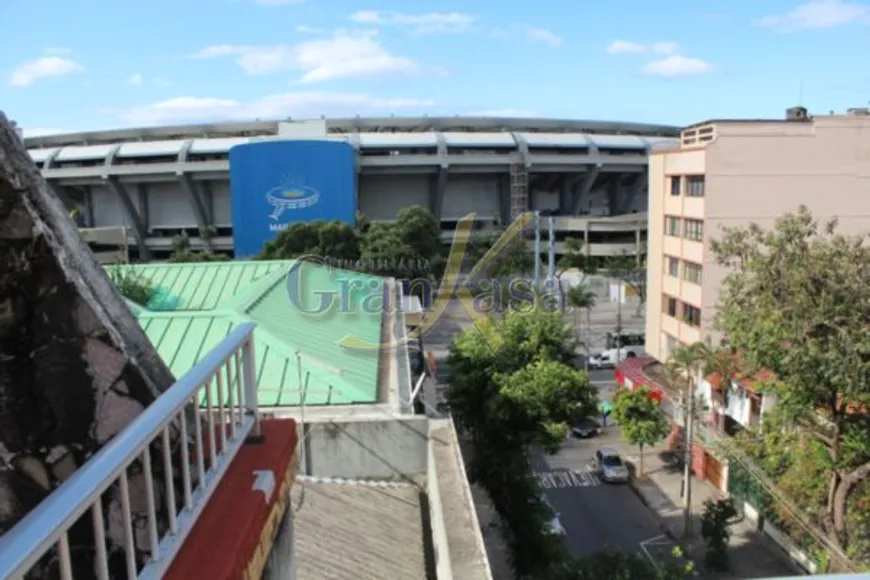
{"x": 769, "y": 486}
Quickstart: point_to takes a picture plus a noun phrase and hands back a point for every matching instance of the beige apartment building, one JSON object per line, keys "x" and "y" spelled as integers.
{"x": 732, "y": 172}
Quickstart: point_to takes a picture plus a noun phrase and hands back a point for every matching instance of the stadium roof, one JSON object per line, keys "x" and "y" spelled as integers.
{"x": 195, "y": 306}
{"x": 356, "y": 125}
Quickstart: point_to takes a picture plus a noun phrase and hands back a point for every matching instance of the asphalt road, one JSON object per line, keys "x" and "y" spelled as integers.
{"x": 595, "y": 514}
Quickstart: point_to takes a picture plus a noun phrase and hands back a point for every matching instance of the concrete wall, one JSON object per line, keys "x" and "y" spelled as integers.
{"x": 456, "y": 535}
{"x": 280, "y": 565}
{"x": 391, "y": 448}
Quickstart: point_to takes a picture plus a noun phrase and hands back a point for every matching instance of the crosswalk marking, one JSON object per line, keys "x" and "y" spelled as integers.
{"x": 565, "y": 478}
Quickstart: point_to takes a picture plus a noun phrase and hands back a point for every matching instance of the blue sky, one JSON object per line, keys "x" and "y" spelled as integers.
{"x": 96, "y": 64}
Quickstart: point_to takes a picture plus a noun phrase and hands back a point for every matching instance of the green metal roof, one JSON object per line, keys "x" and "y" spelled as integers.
{"x": 205, "y": 285}
{"x": 215, "y": 297}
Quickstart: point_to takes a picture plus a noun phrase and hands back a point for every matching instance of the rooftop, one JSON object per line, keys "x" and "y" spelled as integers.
{"x": 196, "y": 305}
{"x": 348, "y": 530}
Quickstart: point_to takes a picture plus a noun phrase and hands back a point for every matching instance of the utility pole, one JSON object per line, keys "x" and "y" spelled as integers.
{"x": 618, "y": 321}
{"x": 537, "y": 251}
{"x": 688, "y": 434}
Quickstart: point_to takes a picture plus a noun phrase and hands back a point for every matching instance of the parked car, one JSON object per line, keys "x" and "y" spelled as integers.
{"x": 610, "y": 466}
{"x": 585, "y": 428}
{"x": 608, "y": 358}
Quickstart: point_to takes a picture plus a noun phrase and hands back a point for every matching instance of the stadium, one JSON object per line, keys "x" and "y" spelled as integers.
{"x": 160, "y": 182}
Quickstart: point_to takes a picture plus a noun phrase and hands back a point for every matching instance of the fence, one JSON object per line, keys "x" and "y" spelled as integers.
{"x": 215, "y": 406}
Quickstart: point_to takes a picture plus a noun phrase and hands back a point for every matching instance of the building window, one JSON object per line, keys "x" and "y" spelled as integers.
{"x": 673, "y": 266}
{"x": 695, "y": 186}
{"x": 671, "y": 306}
{"x": 691, "y": 315}
{"x": 672, "y": 226}
{"x": 675, "y": 185}
{"x": 694, "y": 230}
{"x": 692, "y": 272}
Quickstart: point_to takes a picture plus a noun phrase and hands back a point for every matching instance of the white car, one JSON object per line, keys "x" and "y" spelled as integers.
{"x": 608, "y": 358}
{"x": 611, "y": 466}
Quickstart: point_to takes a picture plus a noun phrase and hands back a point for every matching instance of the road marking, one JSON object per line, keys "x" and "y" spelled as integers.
{"x": 662, "y": 546}
{"x": 566, "y": 478}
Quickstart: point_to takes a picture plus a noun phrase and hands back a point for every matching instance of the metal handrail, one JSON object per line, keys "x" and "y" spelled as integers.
{"x": 47, "y": 524}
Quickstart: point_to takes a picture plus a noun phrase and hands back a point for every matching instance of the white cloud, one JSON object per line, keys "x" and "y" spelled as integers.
{"x": 544, "y": 35}
{"x": 677, "y": 66}
{"x": 43, "y": 68}
{"x": 629, "y": 47}
{"x": 418, "y": 24}
{"x": 342, "y": 56}
{"x": 518, "y": 113}
{"x": 135, "y": 80}
{"x": 302, "y": 29}
{"x": 297, "y": 105}
{"x": 817, "y": 14}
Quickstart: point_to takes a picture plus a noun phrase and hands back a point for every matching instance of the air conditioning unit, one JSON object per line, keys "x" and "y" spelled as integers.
{"x": 858, "y": 112}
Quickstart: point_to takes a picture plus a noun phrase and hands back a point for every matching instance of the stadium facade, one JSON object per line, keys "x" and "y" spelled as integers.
{"x": 590, "y": 176}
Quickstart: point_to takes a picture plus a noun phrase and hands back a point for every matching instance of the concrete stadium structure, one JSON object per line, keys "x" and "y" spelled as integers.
{"x": 160, "y": 182}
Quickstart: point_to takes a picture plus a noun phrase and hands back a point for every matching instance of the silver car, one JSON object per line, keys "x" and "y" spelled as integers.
{"x": 610, "y": 465}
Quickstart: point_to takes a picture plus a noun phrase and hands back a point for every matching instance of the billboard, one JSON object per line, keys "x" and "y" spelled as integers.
{"x": 274, "y": 184}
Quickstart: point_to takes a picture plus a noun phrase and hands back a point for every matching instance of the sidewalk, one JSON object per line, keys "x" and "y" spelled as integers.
{"x": 751, "y": 554}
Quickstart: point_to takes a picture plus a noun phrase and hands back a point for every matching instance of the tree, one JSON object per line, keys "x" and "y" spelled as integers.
{"x": 544, "y": 397}
{"x": 575, "y": 258}
{"x": 512, "y": 386}
{"x": 612, "y": 564}
{"x": 631, "y": 271}
{"x": 796, "y": 302}
{"x": 420, "y": 230}
{"x": 515, "y": 259}
{"x": 582, "y": 297}
{"x": 182, "y": 252}
{"x": 640, "y": 419}
{"x": 714, "y": 529}
{"x": 333, "y": 240}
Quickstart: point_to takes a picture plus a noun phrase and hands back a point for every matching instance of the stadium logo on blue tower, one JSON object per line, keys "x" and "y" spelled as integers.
{"x": 289, "y": 196}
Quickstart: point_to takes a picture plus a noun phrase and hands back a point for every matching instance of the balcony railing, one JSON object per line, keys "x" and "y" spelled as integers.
{"x": 196, "y": 428}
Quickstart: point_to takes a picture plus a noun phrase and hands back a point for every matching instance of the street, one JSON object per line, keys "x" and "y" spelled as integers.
{"x": 594, "y": 514}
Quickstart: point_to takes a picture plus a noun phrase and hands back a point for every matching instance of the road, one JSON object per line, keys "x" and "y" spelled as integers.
{"x": 594, "y": 514}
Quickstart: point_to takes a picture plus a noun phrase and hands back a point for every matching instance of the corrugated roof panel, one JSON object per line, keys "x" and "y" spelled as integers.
{"x": 84, "y": 153}
{"x": 344, "y": 374}
{"x": 40, "y": 155}
{"x": 207, "y": 285}
{"x": 151, "y": 148}
{"x": 547, "y": 140}
{"x": 216, "y": 146}
{"x": 397, "y": 140}
{"x": 495, "y": 140}
{"x": 619, "y": 141}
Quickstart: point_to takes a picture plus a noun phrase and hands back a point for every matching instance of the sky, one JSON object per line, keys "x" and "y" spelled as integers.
{"x": 102, "y": 64}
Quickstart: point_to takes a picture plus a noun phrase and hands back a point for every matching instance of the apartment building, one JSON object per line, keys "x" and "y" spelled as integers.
{"x": 727, "y": 173}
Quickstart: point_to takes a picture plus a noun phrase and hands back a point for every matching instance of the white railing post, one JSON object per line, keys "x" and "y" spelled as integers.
{"x": 249, "y": 374}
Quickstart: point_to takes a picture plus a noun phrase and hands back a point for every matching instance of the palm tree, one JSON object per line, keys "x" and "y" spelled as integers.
{"x": 582, "y": 297}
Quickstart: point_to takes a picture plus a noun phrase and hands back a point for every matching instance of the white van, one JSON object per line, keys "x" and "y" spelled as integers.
{"x": 608, "y": 358}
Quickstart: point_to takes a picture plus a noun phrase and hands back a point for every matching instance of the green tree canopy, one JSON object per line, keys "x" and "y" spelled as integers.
{"x": 640, "y": 419}
{"x": 797, "y": 302}
{"x": 612, "y": 564}
{"x": 333, "y": 240}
